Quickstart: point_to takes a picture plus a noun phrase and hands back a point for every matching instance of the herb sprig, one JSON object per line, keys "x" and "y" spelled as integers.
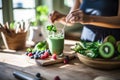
{"x": 51, "y": 28}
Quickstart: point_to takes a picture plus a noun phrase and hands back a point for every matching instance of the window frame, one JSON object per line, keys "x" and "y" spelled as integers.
{"x": 7, "y": 6}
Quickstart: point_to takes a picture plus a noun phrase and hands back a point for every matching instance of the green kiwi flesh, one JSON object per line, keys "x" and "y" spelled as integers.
{"x": 111, "y": 39}
{"x": 106, "y": 50}
{"x": 118, "y": 46}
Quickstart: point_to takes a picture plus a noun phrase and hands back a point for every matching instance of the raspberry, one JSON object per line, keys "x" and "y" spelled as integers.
{"x": 46, "y": 54}
{"x": 57, "y": 78}
{"x": 54, "y": 56}
{"x": 42, "y": 57}
{"x": 30, "y": 54}
{"x": 66, "y": 59}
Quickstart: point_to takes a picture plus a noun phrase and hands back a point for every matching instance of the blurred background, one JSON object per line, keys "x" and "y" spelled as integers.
{"x": 37, "y": 11}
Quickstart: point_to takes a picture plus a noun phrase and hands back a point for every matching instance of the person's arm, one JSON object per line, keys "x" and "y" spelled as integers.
{"x": 78, "y": 16}
{"x": 110, "y": 22}
{"x": 74, "y": 7}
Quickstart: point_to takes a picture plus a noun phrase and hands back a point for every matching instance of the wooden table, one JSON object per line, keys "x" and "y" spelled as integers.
{"x": 75, "y": 70}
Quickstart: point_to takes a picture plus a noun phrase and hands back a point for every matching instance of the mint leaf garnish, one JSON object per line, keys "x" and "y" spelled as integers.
{"x": 52, "y": 28}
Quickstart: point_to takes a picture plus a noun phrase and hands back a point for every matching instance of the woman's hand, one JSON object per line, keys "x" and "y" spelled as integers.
{"x": 77, "y": 16}
{"x": 56, "y": 16}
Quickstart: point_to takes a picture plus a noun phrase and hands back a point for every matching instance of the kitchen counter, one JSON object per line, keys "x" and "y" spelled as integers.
{"x": 75, "y": 70}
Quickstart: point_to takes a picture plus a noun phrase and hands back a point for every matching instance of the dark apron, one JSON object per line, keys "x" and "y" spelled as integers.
{"x": 99, "y": 8}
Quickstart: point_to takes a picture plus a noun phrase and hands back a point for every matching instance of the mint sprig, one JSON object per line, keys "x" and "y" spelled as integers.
{"x": 52, "y": 28}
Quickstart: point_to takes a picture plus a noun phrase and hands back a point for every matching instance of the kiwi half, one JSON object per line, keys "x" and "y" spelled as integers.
{"x": 106, "y": 50}
{"x": 118, "y": 46}
{"x": 110, "y": 38}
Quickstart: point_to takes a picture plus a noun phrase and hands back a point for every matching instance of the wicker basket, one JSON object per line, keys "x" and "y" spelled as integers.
{"x": 14, "y": 41}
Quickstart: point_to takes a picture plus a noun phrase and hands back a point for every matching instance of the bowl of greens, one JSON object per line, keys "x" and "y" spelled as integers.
{"x": 105, "y": 55}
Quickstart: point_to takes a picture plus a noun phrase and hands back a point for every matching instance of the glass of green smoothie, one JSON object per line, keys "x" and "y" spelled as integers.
{"x": 55, "y": 41}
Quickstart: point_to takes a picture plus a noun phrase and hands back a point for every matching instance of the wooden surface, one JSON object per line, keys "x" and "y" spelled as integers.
{"x": 75, "y": 70}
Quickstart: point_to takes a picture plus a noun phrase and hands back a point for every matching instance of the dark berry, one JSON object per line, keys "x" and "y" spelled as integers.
{"x": 32, "y": 57}
{"x": 66, "y": 59}
{"x": 49, "y": 52}
{"x": 33, "y": 52}
{"x": 38, "y": 75}
{"x": 37, "y": 52}
{"x": 36, "y": 56}
{"x": 42, "y": 52}
{"x": 57, "y": 78}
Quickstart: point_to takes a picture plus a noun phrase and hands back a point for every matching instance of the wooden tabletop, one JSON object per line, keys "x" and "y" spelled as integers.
{"x": 75, "y": 70}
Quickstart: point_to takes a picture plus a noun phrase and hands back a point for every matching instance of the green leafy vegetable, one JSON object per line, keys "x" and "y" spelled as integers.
{"x": 89, "y": 49}
{"x": 52, "y": 28}
{"x": 40, "y": 46}
{"x": 29, "y": 50}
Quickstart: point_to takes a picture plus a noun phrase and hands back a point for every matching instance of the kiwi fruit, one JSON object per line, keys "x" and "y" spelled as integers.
{"x": 118, "y": 46}
{"x": 110, "y": 38}
{"x": 106, "y": 50}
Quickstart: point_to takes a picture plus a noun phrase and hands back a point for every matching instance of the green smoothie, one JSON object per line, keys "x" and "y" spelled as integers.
{"x": 56, "y": 44}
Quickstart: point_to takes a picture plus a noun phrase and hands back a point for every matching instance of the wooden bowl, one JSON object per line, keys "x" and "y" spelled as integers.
{"x": 99, "y": 63}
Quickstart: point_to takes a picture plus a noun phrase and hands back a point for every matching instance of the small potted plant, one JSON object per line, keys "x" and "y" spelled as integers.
{"x": 41, "y": 16}
{"x": 38, "y": 23}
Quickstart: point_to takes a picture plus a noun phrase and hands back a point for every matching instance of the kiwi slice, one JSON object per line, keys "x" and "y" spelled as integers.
{"x": 110, "y": 38}
{"x": 118, "y": 46}
{"x": 106, "y": 50}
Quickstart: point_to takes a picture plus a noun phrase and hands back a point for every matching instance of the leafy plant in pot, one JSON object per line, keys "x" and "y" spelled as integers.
{"x": 38, "y": 23}
{"x": 41, "y": 16}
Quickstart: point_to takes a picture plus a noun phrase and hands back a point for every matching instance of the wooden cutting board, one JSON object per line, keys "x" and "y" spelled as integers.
{"x": 50, "y": 61}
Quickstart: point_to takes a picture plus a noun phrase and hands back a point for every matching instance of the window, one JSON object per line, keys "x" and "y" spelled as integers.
{"x": 69, "y": 3}
{"x": 1, "y": 16}
{"x": 23, "y": 9}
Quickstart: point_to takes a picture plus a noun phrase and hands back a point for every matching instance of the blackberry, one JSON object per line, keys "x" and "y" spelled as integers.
{"x": 38, "y": 75}
{"x": 66, "y": 59}
{"x": 49, "y": 51}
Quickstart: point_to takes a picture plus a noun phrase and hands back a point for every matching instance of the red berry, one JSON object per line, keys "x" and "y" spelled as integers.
{"x": 57, "y": 78}
{"x": 42, "y": 57}
{"x": 30, "y": 54}
{"x": 54, "y": 56}
{"x": 46, "y": 54}
{"x": 65, "y": 61}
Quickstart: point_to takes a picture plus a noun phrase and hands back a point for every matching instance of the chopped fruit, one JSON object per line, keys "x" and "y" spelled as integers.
{"x": 54, "y": 56}
{"x": 30, "y": 54}
{"x": 32, "y": 57}
{"x": 42, "y": 57}
{"x": 66, "y": 60}
{"x": 46, "y": 54}
{"x": 38, "y": 75}
{"x": 36, "y": 56}
{"x": 49, "y": 51}
{"x": 57, "y": 78}
{"x": 106, "y": 50}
